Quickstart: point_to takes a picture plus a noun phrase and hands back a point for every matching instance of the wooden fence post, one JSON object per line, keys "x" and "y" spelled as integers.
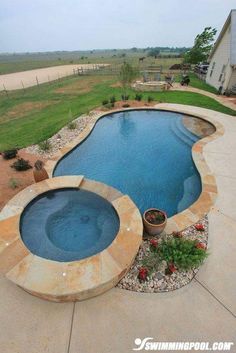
{"x": 5, "y": 90}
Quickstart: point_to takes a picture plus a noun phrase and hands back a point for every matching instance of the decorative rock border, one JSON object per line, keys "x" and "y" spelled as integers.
{"x": 208, "y": 195}
{"x": 158, "y": 281}
{"x": 68, "y": 281}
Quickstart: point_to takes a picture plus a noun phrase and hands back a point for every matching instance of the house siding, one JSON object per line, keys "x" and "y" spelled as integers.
{"x": 233, "y": 38}
{"x": 221, "y": 57}
{"x": 232, "y": 81}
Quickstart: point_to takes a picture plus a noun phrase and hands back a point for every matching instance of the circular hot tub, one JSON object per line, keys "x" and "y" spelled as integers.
{"x": 68, "y": 224}
{"x": 68, "y": 238}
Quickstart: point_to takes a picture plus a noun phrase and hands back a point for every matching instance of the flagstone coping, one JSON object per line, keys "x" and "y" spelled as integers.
{"x": 76, "y": 280}
{"x": 208, "y": 195}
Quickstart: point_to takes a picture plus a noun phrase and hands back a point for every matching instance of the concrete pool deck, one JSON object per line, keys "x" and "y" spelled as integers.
{"x": 205, "y": 310}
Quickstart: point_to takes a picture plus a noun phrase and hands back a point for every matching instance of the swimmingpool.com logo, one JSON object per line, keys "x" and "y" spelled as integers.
{"x": 148, "y": 344}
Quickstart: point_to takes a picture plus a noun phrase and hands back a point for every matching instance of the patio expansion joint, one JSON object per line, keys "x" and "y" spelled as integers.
{"x": 215, "y": 298}
{"x": 227, "y": 216}
{"x": 71, "y": 327}
{"x": 225, "y": 176}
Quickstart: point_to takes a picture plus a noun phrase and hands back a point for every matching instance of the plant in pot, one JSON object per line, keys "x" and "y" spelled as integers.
{"x": 39, "y": 171}
{"x": 154, "y": 221}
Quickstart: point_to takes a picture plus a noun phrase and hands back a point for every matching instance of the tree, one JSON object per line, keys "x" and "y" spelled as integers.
{"x": 154, "y": 52}
{"x": 203, "y": 44}
{"x": 127, "y": 75}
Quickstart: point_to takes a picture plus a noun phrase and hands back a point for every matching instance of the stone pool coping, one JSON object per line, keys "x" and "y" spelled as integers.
{"x": 75, "y": 280}
{"x": 208, "y": 195}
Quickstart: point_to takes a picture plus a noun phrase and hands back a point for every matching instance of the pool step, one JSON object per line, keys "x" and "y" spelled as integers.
{"x": 185, "y": 131}
{"x": 182, "y": 133}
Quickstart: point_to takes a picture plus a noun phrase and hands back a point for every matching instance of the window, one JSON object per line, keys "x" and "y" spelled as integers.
{"x": 222, "y": 75}
{"x": 212, "y": 68}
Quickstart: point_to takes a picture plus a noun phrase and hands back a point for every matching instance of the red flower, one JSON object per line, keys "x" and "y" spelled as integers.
{"x": 143, "y": 273}
{"x": 154, "y": 243}
{"x": 199, "y": 227}
{"x": 200, "y": 245}
{"x": 172, "y": 268}
{"x": 177, "y": 234}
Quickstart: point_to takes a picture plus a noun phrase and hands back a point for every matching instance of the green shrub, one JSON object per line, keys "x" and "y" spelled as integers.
{"x": 105, "y": 102}
{"x": 14, "y": 183}
{"x": 150, "y": 99}
{"x": 9, "y": 154}
{"x": 72, "y": 125}
{"x": 138, "y": 97}
{"x": 45, "y": 146}
{"x": 126, "y": 105}
{"x": 109, "y": 105}
{"x": 181, "y": 252}
{"x": 124, "y": 97}
{"x": 21, "y": 165}
{"x": 113, "y": 100}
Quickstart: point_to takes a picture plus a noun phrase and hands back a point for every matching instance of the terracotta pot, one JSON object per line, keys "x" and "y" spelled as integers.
{"x": 154, "y": 229}
{"x": 40, "y": 175}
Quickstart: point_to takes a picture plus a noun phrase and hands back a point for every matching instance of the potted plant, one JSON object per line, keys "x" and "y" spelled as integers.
{"x": 154, "y": 221}
{"x": 39, "y": 171}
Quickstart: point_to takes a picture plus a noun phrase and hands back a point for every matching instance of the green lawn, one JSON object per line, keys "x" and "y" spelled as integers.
{"x": 24, "y": 122}
{"x": 197, "y": 83}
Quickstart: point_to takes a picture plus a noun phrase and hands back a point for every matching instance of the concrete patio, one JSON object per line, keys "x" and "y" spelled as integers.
{"x": 204, "y": 310}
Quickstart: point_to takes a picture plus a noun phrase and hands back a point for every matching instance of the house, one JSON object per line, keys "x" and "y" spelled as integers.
{"x": 222, "y": 69}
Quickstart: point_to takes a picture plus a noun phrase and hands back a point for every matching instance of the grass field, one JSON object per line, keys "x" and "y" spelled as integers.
{"x": 33, "y": 116}
{"x": 17, "y": 63}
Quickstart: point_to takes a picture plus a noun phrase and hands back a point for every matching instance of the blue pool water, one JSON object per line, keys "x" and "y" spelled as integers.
{"x": 145, "y": 154}
{"x": 68, "y": 224}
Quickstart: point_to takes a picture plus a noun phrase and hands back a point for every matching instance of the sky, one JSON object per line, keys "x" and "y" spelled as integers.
{"x": 49, "y": 25}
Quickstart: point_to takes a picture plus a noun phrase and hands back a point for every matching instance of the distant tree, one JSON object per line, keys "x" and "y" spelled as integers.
{"x": 154, "y": 52}
{"x": 203, "y": 44}
{"x": 127, "y": 76}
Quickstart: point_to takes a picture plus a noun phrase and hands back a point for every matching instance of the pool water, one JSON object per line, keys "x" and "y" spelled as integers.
{"x": 68, "y": 224}
{"x": 145, "y": 154}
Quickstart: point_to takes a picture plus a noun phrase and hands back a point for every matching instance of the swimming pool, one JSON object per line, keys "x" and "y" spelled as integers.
{"x": 143, "y": 153}
{"x": 68, "y": 224}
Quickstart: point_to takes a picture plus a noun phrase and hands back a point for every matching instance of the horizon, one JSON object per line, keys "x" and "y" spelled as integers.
{"x": 89, "y": 50}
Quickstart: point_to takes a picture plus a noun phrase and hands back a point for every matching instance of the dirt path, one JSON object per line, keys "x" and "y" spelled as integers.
{"x": 19, "y": 80}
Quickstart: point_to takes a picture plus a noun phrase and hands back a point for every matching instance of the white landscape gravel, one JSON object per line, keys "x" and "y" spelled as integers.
{"x": 158, "y": 281}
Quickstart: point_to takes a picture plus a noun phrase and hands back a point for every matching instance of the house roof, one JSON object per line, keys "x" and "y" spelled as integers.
{"x": 231, "y": 20}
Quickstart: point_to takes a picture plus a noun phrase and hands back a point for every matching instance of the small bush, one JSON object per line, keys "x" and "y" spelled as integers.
{"x": 182, "y": 253}
{"x": 9, "y": 154}
{"x": 21, "y": 165}
{"x": 113, "y": 100}
{"x": 109, "y": 105}
{"x": 105, "y": 102}
{"x": 138, "y": 97}
{"x": 45, "y": 146}
{"x": 150, "y": 99}
{"x": 152, "y": 262}
{"x": 124, "y": 97}
{"x": 126, "y": 105}
{"x": 14, "y": 183}
{"x": 72, "y": 125}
